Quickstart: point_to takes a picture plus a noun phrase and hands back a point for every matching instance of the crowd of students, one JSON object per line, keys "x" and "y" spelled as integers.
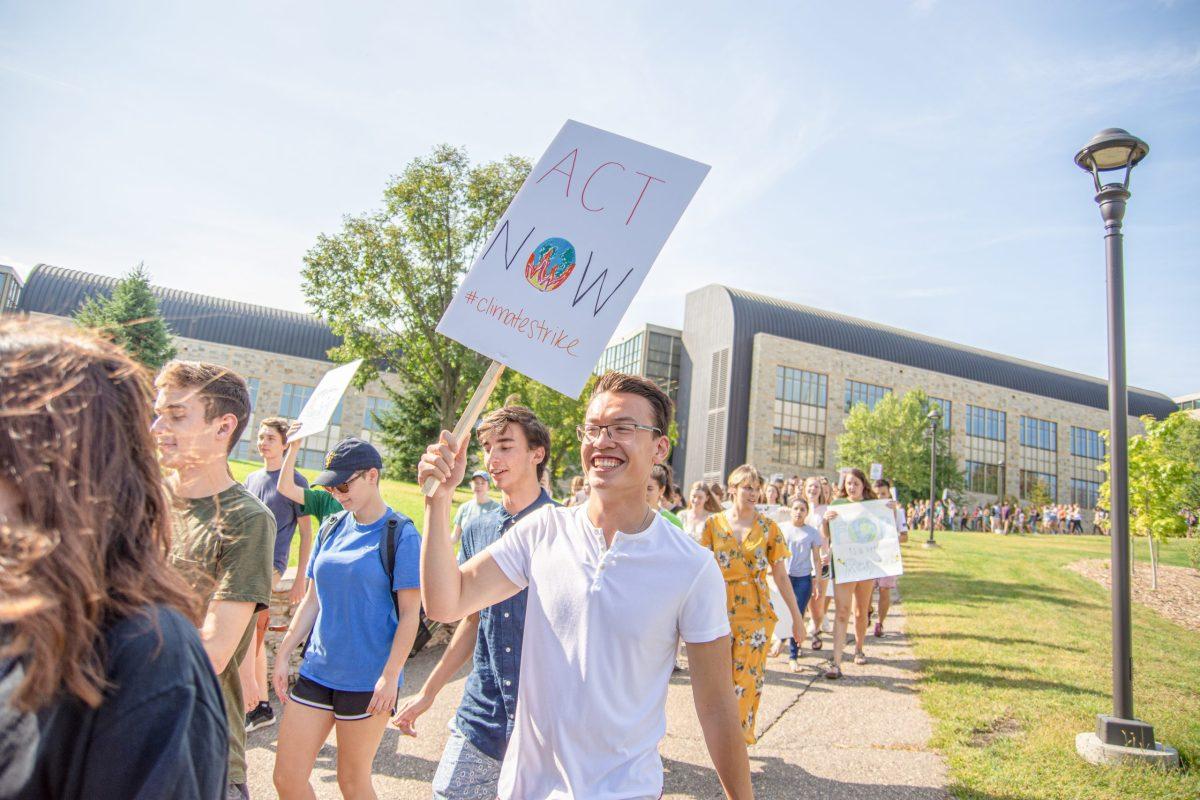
{"x": 1006, "y": 516}
{"x": 136, "y": 573}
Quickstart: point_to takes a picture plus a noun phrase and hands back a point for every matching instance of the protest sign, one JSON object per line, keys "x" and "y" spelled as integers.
{"x": 864, "y": 541}
{"x": 317, "y": 412}
{"x": 876, "y": 471}
{"x": 554, "y": 279}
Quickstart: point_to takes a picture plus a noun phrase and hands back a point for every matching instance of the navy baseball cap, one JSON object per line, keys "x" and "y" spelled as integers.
{"x": 346, "y": 458}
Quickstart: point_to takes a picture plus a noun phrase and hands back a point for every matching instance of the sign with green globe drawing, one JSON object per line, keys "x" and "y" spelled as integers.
{"x": 865, "y": 541}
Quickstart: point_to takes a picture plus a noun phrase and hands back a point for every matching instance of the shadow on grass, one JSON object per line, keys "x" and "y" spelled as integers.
{"x": 998, "y": 640}
{"x": 958, "y": 589}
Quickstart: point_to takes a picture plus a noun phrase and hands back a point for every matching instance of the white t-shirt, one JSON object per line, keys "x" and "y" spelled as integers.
{"x": 601, "y": 630}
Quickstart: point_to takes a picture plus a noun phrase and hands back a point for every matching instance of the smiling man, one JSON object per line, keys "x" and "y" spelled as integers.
{"x": 515, "y": 444}
{"x": 224, "y": 536}
{"x": 612, "y": 588}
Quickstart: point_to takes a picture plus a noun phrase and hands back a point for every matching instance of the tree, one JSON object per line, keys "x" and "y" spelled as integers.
{"x": 1163, "y": 473}
{"x": 384, "y": 280}
{"x": 896, "y": 434}
{"x": 129, "y": 316}
{"x": 559, "y": 413}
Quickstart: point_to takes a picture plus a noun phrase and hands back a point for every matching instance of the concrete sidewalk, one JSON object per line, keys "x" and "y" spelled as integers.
{"x": 861, "y": 737}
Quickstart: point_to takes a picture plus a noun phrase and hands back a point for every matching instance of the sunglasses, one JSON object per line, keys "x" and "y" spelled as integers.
{"x": 342, "y": 488}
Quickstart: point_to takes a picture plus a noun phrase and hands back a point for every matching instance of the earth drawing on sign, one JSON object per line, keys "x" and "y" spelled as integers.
{"x": 863, "y": 530}
{"x": 550, "y": 264}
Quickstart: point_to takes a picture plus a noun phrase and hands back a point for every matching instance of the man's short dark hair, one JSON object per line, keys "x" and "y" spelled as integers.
{"x": 536, "y": 433}
{"x": 622, "y": 383}
{"x": 220, "y": 389}
{"x": 278, "y": 424}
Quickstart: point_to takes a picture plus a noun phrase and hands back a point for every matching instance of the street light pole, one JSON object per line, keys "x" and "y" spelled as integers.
{"x": 1115, "y": 149}
{"x": 934, "y": 418}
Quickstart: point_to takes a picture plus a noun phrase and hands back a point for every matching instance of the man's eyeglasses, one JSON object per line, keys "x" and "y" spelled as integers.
{"x": 619, "y": 432}
{"x": 342, "y": 488}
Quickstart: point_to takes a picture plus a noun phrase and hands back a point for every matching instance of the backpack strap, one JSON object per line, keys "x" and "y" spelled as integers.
{"x": 331, "y": 522}
{"x": 387, "y": 554}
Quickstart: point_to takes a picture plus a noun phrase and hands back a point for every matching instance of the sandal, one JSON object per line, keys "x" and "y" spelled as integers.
{"x": 793, "y": 665}
{"x": 879, "y": 629}
{"x": 860, "y": 658}
{"x": 816, "y": 641}
{"x": 833, "y": 673}
{"x": 776, "y": 647}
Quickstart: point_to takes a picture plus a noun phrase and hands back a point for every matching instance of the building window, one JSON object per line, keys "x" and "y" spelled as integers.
{"x": 662, "y": 361}
{"x": 800, "y": 409}
{"x": 376, "y": 407}
{"x": 246, "y": 449}
{"x": 1032, "y": 481}
{"x": 984, "y": 478}
{"x": 946, "y": 408}
{"x": 1084, "y": 493}
{"x": 624, "y": 357}
{"x": 312, "y": 448}
{"x": 868, "y": 393}
{"x": 986, "y": 423}
{"x": 1087, "y": 454}
{"x": 1039, "y": 460}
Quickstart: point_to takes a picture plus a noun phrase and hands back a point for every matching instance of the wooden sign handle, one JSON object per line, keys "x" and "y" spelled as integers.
{"x": 470, "y": 415}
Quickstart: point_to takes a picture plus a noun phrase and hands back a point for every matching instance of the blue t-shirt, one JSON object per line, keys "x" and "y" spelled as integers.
{"x": 262, "y": 484}
{"x": 352, "y": 636}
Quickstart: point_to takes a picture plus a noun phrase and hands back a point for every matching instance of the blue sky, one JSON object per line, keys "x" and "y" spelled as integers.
{"x": 909, "y": 163}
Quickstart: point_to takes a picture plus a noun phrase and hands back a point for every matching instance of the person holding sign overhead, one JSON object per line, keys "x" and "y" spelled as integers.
{"x": 612, "y": 587}
{"x": 358, "y": 621}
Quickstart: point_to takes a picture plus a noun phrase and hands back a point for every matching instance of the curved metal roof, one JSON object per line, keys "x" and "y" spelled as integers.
{"x": 59, "y": 291}
{"x": 754, "y": 313}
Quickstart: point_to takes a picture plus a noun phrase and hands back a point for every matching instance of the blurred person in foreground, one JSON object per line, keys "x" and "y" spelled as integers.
{"x": 104, "y": 676}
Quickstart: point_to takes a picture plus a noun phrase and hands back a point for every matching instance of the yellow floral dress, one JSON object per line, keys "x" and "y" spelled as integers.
{"x": 746, "y": 566}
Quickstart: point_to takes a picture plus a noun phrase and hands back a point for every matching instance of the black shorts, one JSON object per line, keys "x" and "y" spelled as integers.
{"x": 344, "y": 705}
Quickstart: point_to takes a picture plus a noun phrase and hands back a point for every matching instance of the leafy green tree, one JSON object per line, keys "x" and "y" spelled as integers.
{"x": 1163, "y": 474}
{"x": 383, "y": 281}
{"x": 130, "y": 317}
{"x": 558, "y": 412}
{"x": 895, "y": 434}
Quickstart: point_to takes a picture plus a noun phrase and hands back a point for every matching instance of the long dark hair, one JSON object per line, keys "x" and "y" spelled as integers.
{"x": 91, "y": 537}
{"x": 862, "y": 477}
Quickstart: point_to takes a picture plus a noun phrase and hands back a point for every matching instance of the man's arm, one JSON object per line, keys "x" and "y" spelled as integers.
{"x": 451, "y": 592}
{"x": 304, "y": 525}
{"x": 223, "y": 628}
{"x": 458, "y": 652}
{"x": 286, "y": 485}
{"x": 711, "y": 667}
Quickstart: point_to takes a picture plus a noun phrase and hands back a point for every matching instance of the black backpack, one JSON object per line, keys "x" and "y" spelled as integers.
{"x": 387, "y": 555}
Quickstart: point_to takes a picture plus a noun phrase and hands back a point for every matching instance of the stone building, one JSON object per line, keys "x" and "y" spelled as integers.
{"x": 281, "y": 354}
{"x": 770, "y": 383}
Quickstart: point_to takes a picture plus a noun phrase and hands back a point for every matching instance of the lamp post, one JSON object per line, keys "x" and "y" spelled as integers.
{"x": 935, "y": 417}
{"x": 1116, "y": 149}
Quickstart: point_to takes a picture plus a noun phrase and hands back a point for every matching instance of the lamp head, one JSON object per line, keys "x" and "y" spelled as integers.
{"x": 934, "y": 415}
{"x": 1111, "y": 149}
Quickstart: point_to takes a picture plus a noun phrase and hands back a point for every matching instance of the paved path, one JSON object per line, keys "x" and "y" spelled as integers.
{"x": 862, "y": 737}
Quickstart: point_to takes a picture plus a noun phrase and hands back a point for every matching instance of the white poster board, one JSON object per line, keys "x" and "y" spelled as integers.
{"x": 553, "y": 280}
{"x": 864, "y": 541}
{"x": 876, "y": 471}
{"x": 317, "y": 412}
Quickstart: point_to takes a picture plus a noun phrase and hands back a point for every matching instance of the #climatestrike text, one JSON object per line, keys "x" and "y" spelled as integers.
{"x": 534, "y": 329}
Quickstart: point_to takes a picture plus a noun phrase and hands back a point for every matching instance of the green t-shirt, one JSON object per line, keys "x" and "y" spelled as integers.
{"x": 223, "y": 546}
{"x": 320, "y": 504}
{"x": 671, "y": 517}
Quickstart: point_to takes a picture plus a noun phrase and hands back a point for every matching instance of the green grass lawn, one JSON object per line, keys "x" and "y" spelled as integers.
{"x": 1016, "y": 653}
{"x": 400, "y": 495}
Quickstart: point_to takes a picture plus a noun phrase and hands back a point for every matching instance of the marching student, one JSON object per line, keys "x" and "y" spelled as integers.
{"x": 804, "y": 565}
{"x": 813, "y": 490}
{"x": 358, "y": 621}
{"x": 515, "y": 444}
{"x": 612, "y": 587}
{"x": 263, "y": 484}
{"x": 313, "y": 502}
{"x": 701, "y": 505}
{"x": 105, "y": 687}
{"x": 657, "y": 489}
{"x": 224, "y": 537}
{"x": 479, "y": 503}
{"x": 883, "y": 491}
{"x": 747, "y": 545}
{"x": 852, "y": 488}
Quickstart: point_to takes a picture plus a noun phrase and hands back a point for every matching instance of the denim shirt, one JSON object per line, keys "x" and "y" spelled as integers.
{"x": 489, "y": 704}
